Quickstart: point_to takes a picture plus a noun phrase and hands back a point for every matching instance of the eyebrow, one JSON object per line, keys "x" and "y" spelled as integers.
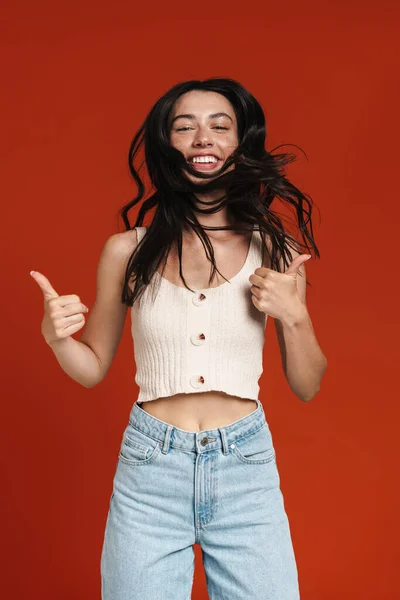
{"x": 211, "y": 116}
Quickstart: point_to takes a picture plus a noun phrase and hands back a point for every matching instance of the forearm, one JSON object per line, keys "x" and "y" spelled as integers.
{"x": 305, "y": 361}
{"x": 78, "y": 361}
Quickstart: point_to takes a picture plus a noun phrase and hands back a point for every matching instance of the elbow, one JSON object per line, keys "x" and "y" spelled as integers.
{"x": 90, "y": 384}
{"x": 310, "y": 396}
{"x": 86, "y": 384}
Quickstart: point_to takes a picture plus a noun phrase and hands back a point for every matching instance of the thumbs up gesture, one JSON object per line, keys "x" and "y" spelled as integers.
{"x": 63, "y": 315}
{"x": 276, "y": 293}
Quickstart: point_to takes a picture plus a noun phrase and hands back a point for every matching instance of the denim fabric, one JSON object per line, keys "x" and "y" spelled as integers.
{"x": 219, "y": 488}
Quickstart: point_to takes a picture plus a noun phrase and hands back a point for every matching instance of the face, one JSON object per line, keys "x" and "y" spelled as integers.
{"x": 203, "y": 127}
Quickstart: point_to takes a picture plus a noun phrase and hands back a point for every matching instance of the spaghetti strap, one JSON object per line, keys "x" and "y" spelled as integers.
{"x": 140, "y": 233}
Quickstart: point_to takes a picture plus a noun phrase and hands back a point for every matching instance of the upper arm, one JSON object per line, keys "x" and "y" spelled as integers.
{"x": 105, "y": 323}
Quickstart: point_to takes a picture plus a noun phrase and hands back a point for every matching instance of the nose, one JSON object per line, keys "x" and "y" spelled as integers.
{"x": 202, "y": 139}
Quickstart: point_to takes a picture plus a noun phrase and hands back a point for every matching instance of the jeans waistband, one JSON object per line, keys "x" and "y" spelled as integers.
{"x": 202, "y": 441}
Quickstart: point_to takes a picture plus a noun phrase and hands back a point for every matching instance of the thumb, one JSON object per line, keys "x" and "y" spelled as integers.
{"x": 45, "y": 285}
{"x": 296, "y": 264}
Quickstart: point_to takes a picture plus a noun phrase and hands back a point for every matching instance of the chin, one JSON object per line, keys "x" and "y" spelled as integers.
{"x": 195, "y": 179}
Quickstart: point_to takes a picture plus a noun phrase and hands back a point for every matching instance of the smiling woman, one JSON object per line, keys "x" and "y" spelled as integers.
{"x": 197, "y": 438}
{"x": 197, "y": 461}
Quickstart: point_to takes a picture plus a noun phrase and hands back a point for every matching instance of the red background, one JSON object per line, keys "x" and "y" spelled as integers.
{"x": 78, "y": 79}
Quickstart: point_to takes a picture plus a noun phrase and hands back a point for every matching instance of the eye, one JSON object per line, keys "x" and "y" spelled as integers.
{"x": 216, "y": 127}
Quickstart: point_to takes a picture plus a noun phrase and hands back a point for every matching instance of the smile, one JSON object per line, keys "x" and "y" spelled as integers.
{"x": 204, "y": 163}
{"x": 204, "y": 159}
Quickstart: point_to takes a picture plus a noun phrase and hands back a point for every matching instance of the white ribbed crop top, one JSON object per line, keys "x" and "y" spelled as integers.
{"x": 212, "y": 339}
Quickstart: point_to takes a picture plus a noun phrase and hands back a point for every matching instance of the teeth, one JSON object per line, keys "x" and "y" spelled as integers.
{"x": 204, "y": 159}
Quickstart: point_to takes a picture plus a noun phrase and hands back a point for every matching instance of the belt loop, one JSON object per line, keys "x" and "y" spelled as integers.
{"x": 167, "y": 439}
{"x": 224, "y": 440}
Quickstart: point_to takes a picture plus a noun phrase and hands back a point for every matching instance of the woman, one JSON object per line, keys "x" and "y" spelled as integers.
{"x": 197, "y": 462}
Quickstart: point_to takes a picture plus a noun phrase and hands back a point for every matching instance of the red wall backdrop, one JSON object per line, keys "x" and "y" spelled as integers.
{"x": 78, "y": 79}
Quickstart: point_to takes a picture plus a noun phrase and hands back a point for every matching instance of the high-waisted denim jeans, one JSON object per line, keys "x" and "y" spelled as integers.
{"x": 219, "y": 488}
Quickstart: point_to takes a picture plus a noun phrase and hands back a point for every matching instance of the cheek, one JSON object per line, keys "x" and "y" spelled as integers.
{"x": 180, "y": 145}
{"x": 231, "y": 143}
{"x": 175, "y": 143}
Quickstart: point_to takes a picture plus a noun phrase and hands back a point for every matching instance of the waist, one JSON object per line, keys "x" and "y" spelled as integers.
{"x": 199, "y": 411}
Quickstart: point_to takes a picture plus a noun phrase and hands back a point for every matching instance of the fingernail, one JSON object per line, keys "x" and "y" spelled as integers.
{"x": 32, "y": 272}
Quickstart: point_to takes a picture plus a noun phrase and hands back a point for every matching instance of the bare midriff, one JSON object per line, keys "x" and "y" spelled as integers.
{"x": 199, "y": 411}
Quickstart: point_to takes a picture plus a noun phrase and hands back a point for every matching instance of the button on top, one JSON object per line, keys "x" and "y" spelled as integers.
{"x": 197, "y": 339}
{"x": 199, "y": 299}
{"x": 197, "y": 381}
{"x": 204, "y": 441}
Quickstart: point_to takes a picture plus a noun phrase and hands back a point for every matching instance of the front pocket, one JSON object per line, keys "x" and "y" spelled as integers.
{"x": 256, "y": 449}
{"x": 139, "y": 449}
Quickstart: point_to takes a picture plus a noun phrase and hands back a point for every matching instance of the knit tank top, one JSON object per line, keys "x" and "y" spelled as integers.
{"x": 209, "y": 340}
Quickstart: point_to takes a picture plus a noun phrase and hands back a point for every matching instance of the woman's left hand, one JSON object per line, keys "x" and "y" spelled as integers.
{"x": 276, "y": 293}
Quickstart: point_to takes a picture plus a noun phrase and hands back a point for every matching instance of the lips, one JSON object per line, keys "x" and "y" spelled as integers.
{"x": 205, "y": 166}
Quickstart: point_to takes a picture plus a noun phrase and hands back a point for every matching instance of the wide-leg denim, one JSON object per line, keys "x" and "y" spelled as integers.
{"x": 219, "y": 488}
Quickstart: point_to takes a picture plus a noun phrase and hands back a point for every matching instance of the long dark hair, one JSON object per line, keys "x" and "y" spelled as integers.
{"x": 251, "y": 186}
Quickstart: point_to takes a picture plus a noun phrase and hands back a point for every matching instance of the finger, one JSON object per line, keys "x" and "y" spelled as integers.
{"x": 71, "y": 320}
{"x": 255, "y": 301}
{"x": 72, "y": 328}
{"x": 256, "y": 280}
{"x": 45, "y": 285}
{"x": 296, "y": 263}
{"x": 255, "y": 291}
{"x": 50, "y": 293}
{"x": 66, "y": 310}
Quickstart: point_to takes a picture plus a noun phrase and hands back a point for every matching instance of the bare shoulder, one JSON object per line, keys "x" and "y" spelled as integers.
{"x": 114, "y": 259}
{"x": 121, "y": 244}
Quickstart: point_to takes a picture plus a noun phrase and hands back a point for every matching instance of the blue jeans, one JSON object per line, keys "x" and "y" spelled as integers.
{"x": 219, "y": 488}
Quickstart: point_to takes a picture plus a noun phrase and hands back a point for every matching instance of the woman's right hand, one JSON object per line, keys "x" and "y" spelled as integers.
{"x": 63, "y": 315}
